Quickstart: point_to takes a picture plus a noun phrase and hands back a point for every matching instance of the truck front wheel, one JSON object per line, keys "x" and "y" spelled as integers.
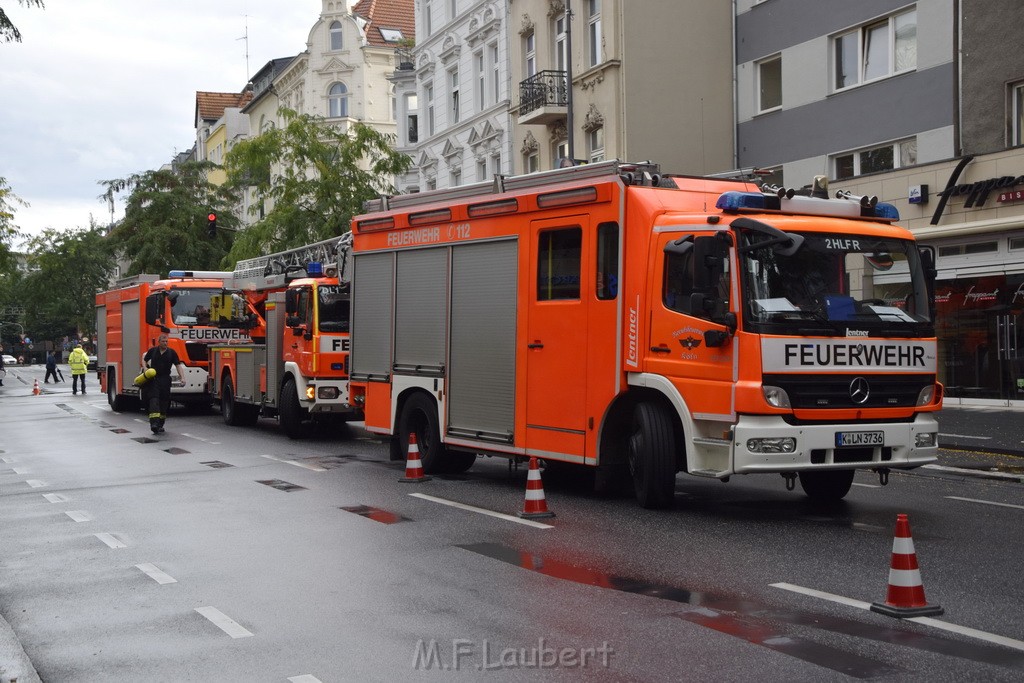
{"x": 652, "y": 456}
{"x": 292, "y": 414}
{"x": 826, "y": 485}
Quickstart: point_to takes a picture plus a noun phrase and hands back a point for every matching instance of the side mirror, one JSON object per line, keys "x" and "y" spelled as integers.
{"x": 154, "y": 308}
{"x": 291, "y": 302}
{"x": 709, "y": 255}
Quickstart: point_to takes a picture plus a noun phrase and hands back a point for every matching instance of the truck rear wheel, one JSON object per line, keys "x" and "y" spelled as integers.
{"x": 291, "y": 413}
{"x": 419, "y": 416}
{"x": 234, "y": 413}
{"x": 826, "y": 485}
{"x": 652, "y": 456}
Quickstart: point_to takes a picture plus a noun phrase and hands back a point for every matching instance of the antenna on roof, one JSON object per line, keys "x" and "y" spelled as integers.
{"x": 246, "y": 39}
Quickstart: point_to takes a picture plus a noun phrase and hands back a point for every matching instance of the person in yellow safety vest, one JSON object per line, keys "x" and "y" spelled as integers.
{"x": 79, "y": 362}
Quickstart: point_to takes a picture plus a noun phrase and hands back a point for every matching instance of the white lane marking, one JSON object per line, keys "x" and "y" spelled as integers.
{"x": 965, "y": 436}
{"x": 78, "y": 515}
{"x": 21, "y": 470}
{"x": 315, "y": 468}
{"x": 305, "y": 678}
{"x": 152, "y": 572}
{"x": 35, "y": 483}
{"x": 986, "y": 502}
{"x": 927, "y": 621}
{"x": 199, "y": 438}
{"x": 866, "y": 527}
{"x": 55, "y": 498}
{"x": 224, "y": 622}
{"x": 867, "y": 486}
{"x": 110, "y": 540}
{"x": 489, "y": 513}
{"x": 976, "y": 473}
{"x": 8, "y": 459}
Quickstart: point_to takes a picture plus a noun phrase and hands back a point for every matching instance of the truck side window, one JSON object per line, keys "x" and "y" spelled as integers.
{"x": 305, "y": 312}
{"x": 678, "y": 282}
{"x": 607, "y": 261}
{"x": 558, "y": 264}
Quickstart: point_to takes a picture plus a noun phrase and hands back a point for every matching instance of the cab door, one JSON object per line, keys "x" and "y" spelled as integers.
{"x": 556, "y": 342}
{"x": 695, "y": 353}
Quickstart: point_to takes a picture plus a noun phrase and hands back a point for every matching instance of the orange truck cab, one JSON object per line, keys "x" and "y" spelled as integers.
{"x": 130, "y": 317}
{"x": 611, "y": 316}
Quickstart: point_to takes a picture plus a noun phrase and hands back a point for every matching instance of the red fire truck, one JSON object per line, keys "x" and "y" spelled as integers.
{"x": 647, "y": 324}
{"x": 192, "y": 312}
{"x": 299, "y": 372}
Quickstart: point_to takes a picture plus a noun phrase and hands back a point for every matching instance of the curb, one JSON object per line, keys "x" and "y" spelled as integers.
{"x": 14, "y": 663}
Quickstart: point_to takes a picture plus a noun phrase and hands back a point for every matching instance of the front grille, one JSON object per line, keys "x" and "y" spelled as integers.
{"x": 833, "y": 391}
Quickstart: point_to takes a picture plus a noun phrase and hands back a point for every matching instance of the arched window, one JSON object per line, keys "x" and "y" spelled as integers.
{"x": 337, "y": 101}
{"x": 335, "y": 33}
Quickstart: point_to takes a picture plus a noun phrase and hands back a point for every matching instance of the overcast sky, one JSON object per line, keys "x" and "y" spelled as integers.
{"x": 103, "y": 89}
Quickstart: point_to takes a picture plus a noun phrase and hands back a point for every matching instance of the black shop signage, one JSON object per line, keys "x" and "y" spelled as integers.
{"x": 975, "y": 193}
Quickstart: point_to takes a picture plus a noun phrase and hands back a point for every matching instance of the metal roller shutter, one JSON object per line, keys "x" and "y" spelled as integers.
{"x": 421, "y": 296}
{"x": 372, "y": 289}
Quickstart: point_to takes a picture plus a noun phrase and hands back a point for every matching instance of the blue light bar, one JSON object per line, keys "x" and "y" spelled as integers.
{"x": 735, "y": 201}
{"x": 314, "y": 269}
{"x": 887, "y": 211}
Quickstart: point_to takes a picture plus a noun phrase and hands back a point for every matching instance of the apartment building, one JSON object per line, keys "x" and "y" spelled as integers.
{"x": 922, "y": 105}
{"x": 649, "y": 80}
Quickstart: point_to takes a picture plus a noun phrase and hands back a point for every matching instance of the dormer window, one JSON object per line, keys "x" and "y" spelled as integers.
{"x": 336, "y": 35}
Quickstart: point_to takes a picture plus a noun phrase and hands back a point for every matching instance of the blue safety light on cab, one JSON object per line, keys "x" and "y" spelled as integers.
{"x": 314, "y": 269}
{"x": 736, "y": 201}
{"x": 887, "y": 211}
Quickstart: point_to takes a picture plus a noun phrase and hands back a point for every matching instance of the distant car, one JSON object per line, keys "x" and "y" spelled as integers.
{"x": 92, "y": 363}
{"x": 10, "y": 360}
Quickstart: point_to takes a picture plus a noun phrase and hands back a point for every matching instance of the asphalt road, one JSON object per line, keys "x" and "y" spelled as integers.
{"x": 235, "y": 554}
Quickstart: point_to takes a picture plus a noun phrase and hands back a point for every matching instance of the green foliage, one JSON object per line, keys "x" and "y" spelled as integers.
{"x": 164, "y": 225}
{"x": 9, "y": 31}
{"x": 66, "y": 269}
{"x": 8, "y": 229}
{"x": 312, "y": 178}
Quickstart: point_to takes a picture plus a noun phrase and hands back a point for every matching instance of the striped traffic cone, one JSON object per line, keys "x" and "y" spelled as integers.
{"x": 536, "y": 507}
{"x": 413, "y": 464}
{"x": 905, "y": 597}
{"x": 35, "y": 389}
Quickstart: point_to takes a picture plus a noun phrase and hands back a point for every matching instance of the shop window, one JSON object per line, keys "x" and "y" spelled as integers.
{"x": 1016, "y": 243}
{"x": 981, "y": 248}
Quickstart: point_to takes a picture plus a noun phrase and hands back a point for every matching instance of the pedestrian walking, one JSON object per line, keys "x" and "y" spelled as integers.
{"x": 51, "y": 368}
{"x": 79, "y": 363}
{"x": 156, "y": 393}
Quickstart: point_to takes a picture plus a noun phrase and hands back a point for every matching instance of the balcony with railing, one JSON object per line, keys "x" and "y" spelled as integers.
{"x": 543, "y": 98}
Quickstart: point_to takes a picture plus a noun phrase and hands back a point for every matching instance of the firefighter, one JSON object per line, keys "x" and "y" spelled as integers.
{"x": 157, "y": 391}
{"x": 79, "y": 362}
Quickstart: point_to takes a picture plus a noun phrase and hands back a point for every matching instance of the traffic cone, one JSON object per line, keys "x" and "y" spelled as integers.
{"x": 35, "y": 388}
{"x": 905, "y": 597}
{"x": 413, "y": 464}
{"x": 536, "y": 507}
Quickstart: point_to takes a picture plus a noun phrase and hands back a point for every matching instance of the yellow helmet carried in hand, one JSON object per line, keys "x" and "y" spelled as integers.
{"x": 149, "y": 374}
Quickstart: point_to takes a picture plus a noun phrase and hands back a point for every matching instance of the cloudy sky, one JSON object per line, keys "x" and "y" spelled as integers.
{"x": 100, "y": 90}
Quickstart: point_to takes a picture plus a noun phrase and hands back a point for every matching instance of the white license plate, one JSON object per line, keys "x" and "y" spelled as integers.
{"x": 859, "y": 439}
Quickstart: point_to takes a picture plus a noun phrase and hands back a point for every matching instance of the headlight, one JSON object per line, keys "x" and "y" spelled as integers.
{"x": 328, "y": 392}
{"x": 778, "y": 444}
{"x": 925, "y": 440}
{"x": 775, "y": 396}
{"x": 926, "y": 395}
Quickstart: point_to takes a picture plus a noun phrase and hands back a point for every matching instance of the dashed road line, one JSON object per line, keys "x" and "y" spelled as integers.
{"x": 110, "y": 540}
{"x": 973, "y": 473}
{"x": 55, "y": 498}
{"x": 304, "y": 678}
{"x": 482, "y": 511}
{"x": 986, "y": 502}
{"x": 199, "y": 438}
{"x": 21, "y": 470}
{"x": 78, "y": 515}
{"x": 927, "y": 621}
{"x": 36, "y": 483}
{"x": 224, "y": 622}
{"x": 867, "y": 486}
{"x": 152, "y": 572}
{"x": 315, "y": 468}
{"x": 965, "y": 436}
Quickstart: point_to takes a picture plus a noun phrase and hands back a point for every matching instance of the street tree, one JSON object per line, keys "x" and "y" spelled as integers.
{"x": 310, "y": 177}
{"x": 8, "y": 228}
{"x": 66, "y": 267}
{"x": 165, "y": 219}
{"x": 8, "y": 31}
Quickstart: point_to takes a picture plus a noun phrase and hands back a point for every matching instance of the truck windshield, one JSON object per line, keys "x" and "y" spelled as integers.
{"x": 834, "y": 283}
{"x": 191, "y": 306}
{"x": 333, "y": 308}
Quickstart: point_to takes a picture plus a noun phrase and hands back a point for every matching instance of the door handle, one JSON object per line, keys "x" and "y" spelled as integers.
{"x": 535, "y": 345}
{"x": 661, "y": 349}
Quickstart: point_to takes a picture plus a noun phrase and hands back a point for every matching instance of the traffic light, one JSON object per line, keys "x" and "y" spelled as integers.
{"x": 211, "y": 224}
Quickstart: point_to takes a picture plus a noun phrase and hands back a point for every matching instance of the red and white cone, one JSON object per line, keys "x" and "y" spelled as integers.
{"x": 905, "y": 597}
{"x": 35, "y": 388}
{"x": 413, "y": 464}
{"x": 536, "y": 506}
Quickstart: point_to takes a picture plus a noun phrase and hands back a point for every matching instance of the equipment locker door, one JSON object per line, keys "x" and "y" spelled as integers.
{"x": 556, "y": 343}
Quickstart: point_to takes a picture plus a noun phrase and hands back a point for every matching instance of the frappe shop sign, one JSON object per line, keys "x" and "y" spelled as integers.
{"x": 977, "y": 193}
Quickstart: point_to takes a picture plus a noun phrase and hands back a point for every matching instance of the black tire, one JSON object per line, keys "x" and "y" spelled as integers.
{"x": 419, "y": 416}
{"x": 652, "y": 456}
{"x": 229, "y": 409}
{"x": 290, "y": 412}
{"x": 118, "y": 403}
{"x": 826, "y": 486}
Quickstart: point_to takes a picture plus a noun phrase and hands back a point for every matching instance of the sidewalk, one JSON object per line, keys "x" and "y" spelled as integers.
{"x": 983, "y": 429}
{"x": 14, "y": 663}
